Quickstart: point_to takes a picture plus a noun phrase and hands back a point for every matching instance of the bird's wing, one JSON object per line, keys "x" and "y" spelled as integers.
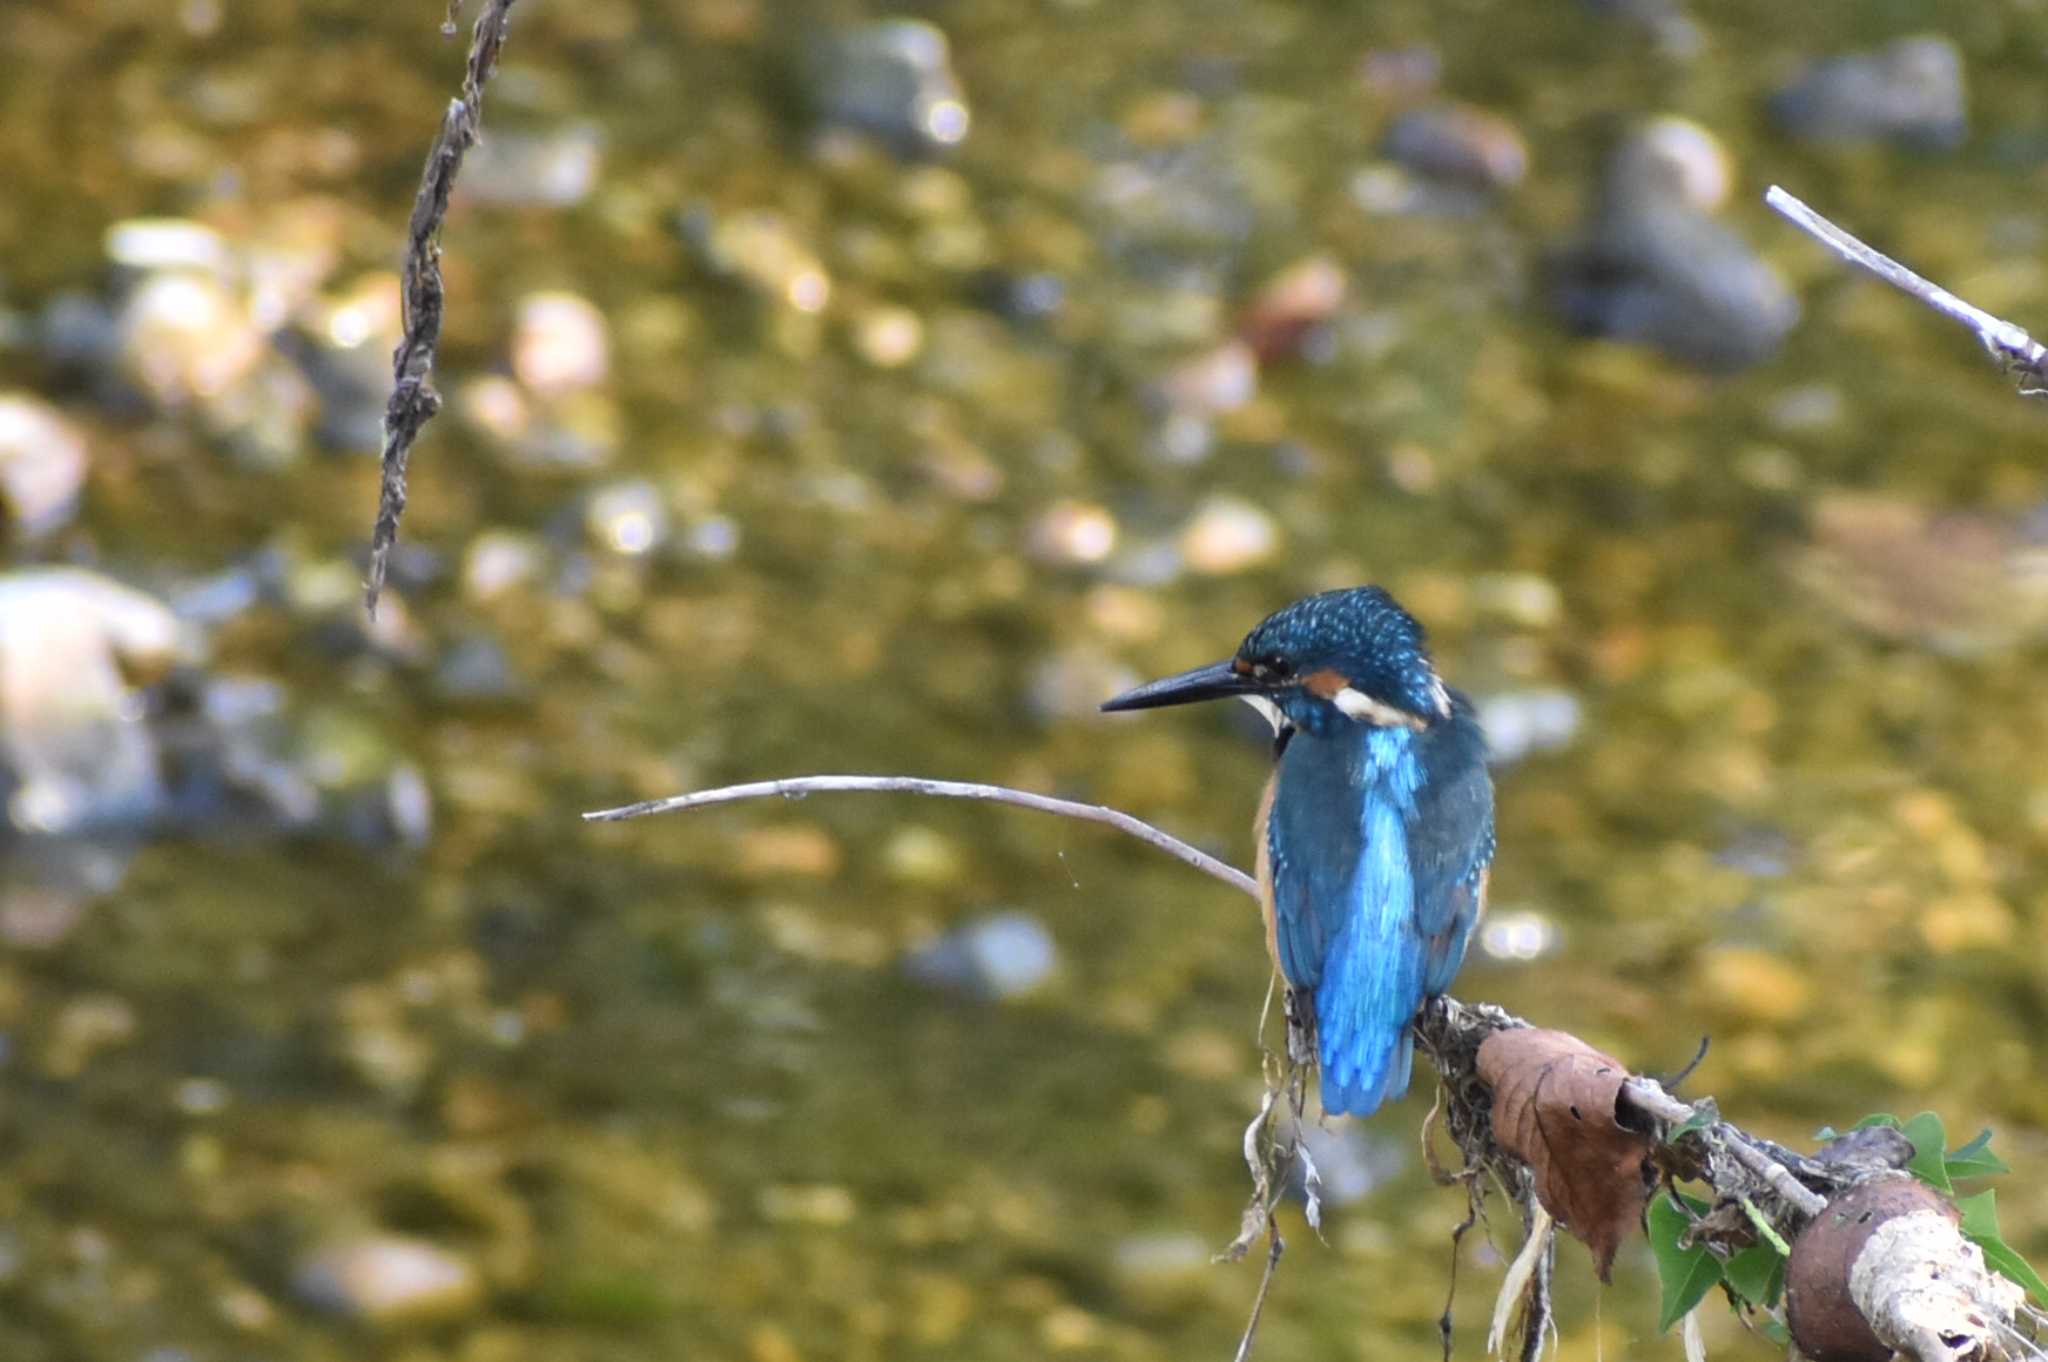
{"x": 1451, "y": 847}
{"x": 1344, "y": 908}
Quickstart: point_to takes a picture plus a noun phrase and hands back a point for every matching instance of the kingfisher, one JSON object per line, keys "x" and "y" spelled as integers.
{"x": 1375, "y": 832}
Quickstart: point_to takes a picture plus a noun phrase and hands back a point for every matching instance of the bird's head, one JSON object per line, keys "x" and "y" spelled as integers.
{"x": 1339, "y": 658}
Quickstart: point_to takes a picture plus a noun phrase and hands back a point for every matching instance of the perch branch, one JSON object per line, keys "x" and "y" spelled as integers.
{"x": 2010, "y": 346}
{"x": 799, "y": 786}
{"x": 1755, "y": 1181}
{"x": 413, "y": 398}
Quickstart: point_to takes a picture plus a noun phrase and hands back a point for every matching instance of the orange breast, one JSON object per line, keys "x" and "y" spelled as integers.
{"x": 1263, "y": 864}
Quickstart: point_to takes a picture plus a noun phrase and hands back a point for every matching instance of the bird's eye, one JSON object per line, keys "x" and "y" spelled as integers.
{"x": 1272, "y": 669}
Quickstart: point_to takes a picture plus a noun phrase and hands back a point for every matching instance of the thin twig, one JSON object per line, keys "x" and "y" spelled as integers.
{"x": 1649, "y": 1096}
{"x": 1775, "y": 1175}
{"x": 2010, "y": 346}
{"x": 1275, "y": 1247}
{"x": 799, "y": 786}
{"x": 413, "y": 399}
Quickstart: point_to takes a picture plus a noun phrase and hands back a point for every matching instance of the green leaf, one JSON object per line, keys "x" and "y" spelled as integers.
{"x": 1975, "y": 1159}
{"x": 1980, "y": 1226}
{"x": 1980, "y": 1215}
{"x": 1826, "y": 1133}
{"x": 1771, "y": 1327}
{"x": 1929, "y": 1162}
{"x": 1757, "y": 1274}
{"x": 1881, "y": 1118}
{"x": 1703, "y": 1115}
{"x": 2006, "y": 1259}
{"x": 1687, "y": 1274}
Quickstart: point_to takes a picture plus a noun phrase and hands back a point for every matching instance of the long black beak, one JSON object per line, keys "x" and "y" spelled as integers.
{"x": 1212, "y": 682}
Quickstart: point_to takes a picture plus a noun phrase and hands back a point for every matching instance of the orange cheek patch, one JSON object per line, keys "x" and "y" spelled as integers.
{"x": 1326, "y": 683}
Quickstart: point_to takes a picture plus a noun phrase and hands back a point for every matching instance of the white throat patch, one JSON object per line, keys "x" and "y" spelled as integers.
{"x": 1269, "y": 711}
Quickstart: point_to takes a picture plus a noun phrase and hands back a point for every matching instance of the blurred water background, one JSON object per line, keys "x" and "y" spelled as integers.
{"x": 837, "y": 388}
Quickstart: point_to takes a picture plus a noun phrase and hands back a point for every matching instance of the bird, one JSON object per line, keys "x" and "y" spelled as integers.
{"x": 1375, "y": 833}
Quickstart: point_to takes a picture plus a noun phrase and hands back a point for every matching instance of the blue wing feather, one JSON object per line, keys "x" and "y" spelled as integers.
{"x": 1379, "y": 840}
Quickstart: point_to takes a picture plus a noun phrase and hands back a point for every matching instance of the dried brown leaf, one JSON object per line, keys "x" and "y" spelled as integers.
{"x": 1553, "y": 1107}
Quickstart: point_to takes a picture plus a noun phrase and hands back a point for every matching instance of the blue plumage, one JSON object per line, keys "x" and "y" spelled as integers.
{"x": 1375, "y": 841}
{"x": 1377, "y": 845}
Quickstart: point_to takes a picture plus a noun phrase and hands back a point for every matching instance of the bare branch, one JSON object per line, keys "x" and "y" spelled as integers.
{"x": 1275, "y": 1246}
{"x": 1761, "y": 1188}
{"x": 2010, "y": 347}
{"x": 413, "y": 399}
{"x": 1648, "y": 1095}
{"x": 799, "y": 786}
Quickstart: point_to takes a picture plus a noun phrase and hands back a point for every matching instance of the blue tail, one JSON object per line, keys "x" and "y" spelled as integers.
{"x": 1374, "y": 1073}
{"x": 1365, "y": 1002}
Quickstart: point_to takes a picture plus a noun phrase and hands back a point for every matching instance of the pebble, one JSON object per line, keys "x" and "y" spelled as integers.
{"x": 1400, "y": 74}
{"x": 1652, "y": 268}
{"x": 1524, "y": 599}
{"x": 1022, "y": 298}
{"x": 893, "y": 78}
{"x": 1909, "y": 92}
{"x": 150, "y": 245}
{"x": 1124, "y": 615}
{"x": 200, "y": 1097}
{"x": 1072, "y": 534}
{"x": 1218, "y": 380}
{"x": 1522, "y": 723}
{"x": 49, "y": 884}
{"x": 1964, "y": 583}
{"x": 475, "y": 668}
{"x": 389, "y": 1281}
{"x": 1806, "y": 408}
{"x": 889, "y": 337}
{"x": 235, "y": 758}
{"x": 501, "y": 561}
{"x": 629, "y": 518}
{"x": 801, "y": 850}
{"x": 185, "y": 339}
{"x": 1228, "y": 535}
{"x": 1145, "y": 1258}
{"x": 397, "y": 811}
{"x": 78, "y": 331}
{"x": 42, "y": 465}
{"x": 1674, "y": 31}
{"x": 762, "y": 252}
{"x": 921, "y": 856}
{"x": 496, "y": 405}
{"x": 826, "y": 1205}
{"x": 998, "y": 956}
{"x": 1675, "y": 154}
{"x": 75, "y": 754}
{"x": 83, "y": 1028}
{"x": 555, "y": 169}
{"x": 560, "y": 344}
{"x": 348, "y": 384}
{"x": 1460, "y": 143}
{"x": 1760, "y": 850}
{"x": 1073, "y": 683}
{"x": 1292, "y": 307}
{"x": 714, "y": 538}
{"x": 1518, "y": 936}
